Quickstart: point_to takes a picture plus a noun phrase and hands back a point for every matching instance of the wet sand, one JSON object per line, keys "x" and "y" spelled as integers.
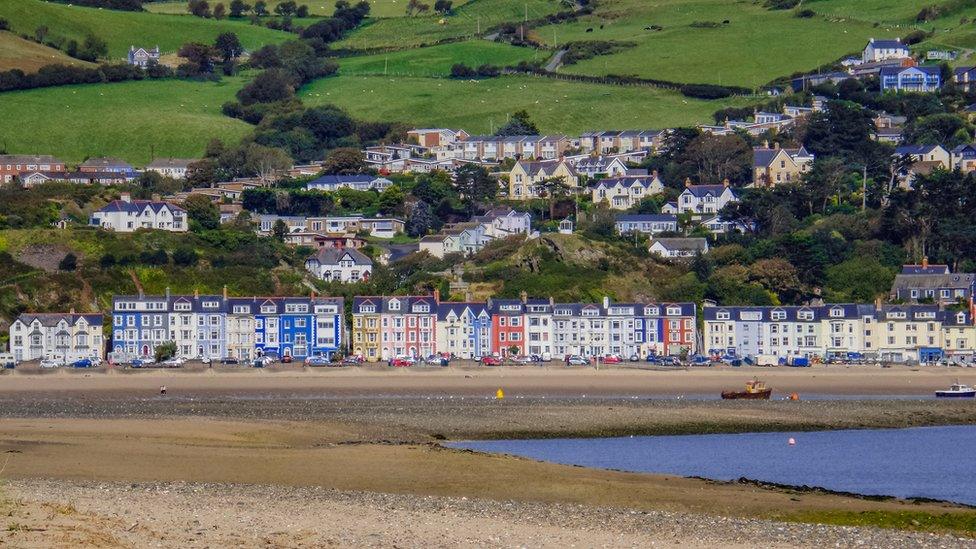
{"x": 372, "y": 432}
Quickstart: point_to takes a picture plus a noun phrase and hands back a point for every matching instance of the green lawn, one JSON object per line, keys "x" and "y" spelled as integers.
{"x": 755, "y": 47}
{"x": 482, "y": 106}
{"x": 120, "y": 29}
{"x": 377, "y": 8}
{"x": 127, "y": 119}
{"x": 437, "y": 60}
{"x": 465, "y": 22}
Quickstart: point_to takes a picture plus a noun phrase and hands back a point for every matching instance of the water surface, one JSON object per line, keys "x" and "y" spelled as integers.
{"x": 930, "y": 462}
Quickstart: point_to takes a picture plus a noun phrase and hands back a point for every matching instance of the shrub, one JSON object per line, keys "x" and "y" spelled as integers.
{"x": 460, "y": 70}
{"x": 68, "y": 262}
{"x": 781, "y": 4}
{"x": 705, "y": 91}
{"x": 805, "y": 13}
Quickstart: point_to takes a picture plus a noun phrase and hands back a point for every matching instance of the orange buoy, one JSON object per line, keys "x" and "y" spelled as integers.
{"x": 794, "y": 396}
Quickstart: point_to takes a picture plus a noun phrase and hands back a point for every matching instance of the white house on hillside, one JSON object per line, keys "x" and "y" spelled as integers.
{"x": 67, "y": 337}
{"x": 340, "y": 265}
{"x": 127, "y": 215}
{"x": 503, "y": 222}
{"x": 170, "y": 167}
{"x": 882, "y": 50}
{"x": 704, "y": 199}
{"x": 679, "y": 247}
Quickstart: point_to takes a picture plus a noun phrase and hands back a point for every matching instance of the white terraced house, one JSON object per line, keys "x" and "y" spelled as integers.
{"x": 127, "y": 215}
{"x": 67, "y": 337}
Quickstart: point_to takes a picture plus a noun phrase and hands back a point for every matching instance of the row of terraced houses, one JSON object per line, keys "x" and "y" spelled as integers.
{"x": 384, "y": 327}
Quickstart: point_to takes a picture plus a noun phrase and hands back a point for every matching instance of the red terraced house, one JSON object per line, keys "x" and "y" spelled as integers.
{"x": 507, "y": 326}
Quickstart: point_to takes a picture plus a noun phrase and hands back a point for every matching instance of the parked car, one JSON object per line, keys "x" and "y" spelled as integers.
{"x": 229, "y": 360}
{"x": 352, "y": 360}
{"x": 699, "y": 360}
{"x": 262, "y": 361}
{"x": 287, "y": 359}
{"x": 577, "y": 360}
{"x": 521, "y": 359}
{"x": 612, "y": 359}
{"x": 670, "y": 361}
{"x": 635, "y": 357}
{"x": 174, "y": 362}
{"x": 401, "y": 362}
{"x": 7, "y": 360}
{"x": 142, "y": 362}
{"x": 84, "y": 363}
{"x": 319, "y": 360}
{"x": 51, "y": 363}
{"x": 653, "y": 359}
{"x": 491, "y": 361}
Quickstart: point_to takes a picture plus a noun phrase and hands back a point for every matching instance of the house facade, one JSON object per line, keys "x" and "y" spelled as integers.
{"x": 922, "y": 79}
{"x": 143, "y": 57}
{"x": 62, "y": 336}
{"x": 332, "y": 183}
{"x": 175, "y": 168}
{"x": 678, "y": 248}
{"x": 649, "y": 224}
{"x": 525, "y": 178}
{"x": 883, "y": 50}
{"x": 622, "y": 193}
{"x": 773, "y": 166}
{"x": 700, "y": 200}
{"x": 504, "y": 222}
{"x": 127, "y": 215}
{"x": 464, "y": 329}
{"x": 340, "y": 265}
{"x": 16, "y": 165}
{"x": 218, "y": 326}
{"x": 388, "y": 327}
{"x": 929, "y": 283}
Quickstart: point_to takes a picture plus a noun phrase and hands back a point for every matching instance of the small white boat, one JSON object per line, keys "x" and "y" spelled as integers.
{"x": 957, "y": 390}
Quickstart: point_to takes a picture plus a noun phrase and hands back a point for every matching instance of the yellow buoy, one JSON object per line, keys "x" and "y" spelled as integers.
{"x": 499, "y": 394}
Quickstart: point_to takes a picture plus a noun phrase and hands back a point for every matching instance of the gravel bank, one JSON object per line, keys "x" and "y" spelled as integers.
{"x": 44, "y": 513}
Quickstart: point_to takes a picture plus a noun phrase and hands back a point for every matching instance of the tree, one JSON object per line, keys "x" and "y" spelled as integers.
{"x": 344, "y": 161}
{"x": 265, "y": 162}
{"x": 443, "y": 7}
{"x": 553, "y": 189}
{"x": 229, "y": 46}
{"x": 269, "y": 86}
{"x": 165, "y": 351}
{"x": 391, "y": 200}
{"x": 279, "y": 230}
{"x": 199, "y": 58}
{"x": 302, "y": 11}
{"x": 219, "y": 11}
{"x": 859, "y": 279}
{"x": 185, "y": 256}
{"x": 286, "y": 8}
{"x": 68, "y": 263}
{"x": 421, "y": 219}
{"x": 238, "y": 8}
{"x": 714, "y": 159}
{"x": 260, "y": 8}
{"x": 199, "y": 8}
{"x": 474, "y": 185}
{"x": 92, "y": 48}
{"x": 460, "y": 70}
{"x": 518, "y": 124}
{"x": 943, "y": 129}
{"x": 199, "y": 208}
{"x": 777, "y": 275}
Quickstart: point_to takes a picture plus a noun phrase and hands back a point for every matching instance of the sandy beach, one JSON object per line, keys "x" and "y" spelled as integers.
{"x": 237, "y": 451}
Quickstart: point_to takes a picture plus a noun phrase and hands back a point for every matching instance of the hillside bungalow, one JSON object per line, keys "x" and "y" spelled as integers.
{"x": 525, "y": 177}
{"x": 503, "y": 222}
{"x": 333, "y": 183}
{"x": 126, "y": 215}
{"x": 107, "y": 164}
{"x": 678, "y": 248}
{"x": 883, "y": 50}
{"x": 622, "y": 193}
{"x": 964, "y": 157}
{"x": 704, "y": 199}
{"x": 436, "y": 137}
{"x": 650, "y": 224}
{"x": 965, "y": 78}
{"x": 593, "y": 166}
{"x": 170, "y": 167}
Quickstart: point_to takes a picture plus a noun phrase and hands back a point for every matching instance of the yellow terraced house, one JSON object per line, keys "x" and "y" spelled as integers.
{"x": 525, "y": 181}
{"x": 366, "y": 334}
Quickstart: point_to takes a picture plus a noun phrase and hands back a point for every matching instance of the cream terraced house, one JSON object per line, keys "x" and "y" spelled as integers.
{"x": 64, "y": 336}
{"x": 525, "y": 178}
{"x": 127, "y": 215}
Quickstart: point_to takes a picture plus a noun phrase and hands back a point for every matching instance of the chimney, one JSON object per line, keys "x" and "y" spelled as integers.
{"x": 167, "y": 294}
{"x": 877, "y": 304}
{"x": 523, "y": 296}
{"x": 725, "y": 182}
{"x": 765, "y": 143}
{"x": 687, "y": 182}
{"x": 71, "y": 311}
{"x": 125, "y": 197}
{"x": 606, "y": 302}
{"x": 437, "y": 295}
{"x": 654, "y": 174}
{"x": 776, "y": 145}
{"x": 925, "y": 262}
{"x": 468, "y": 296}
{"x": 225, "y": 292}
{"x": 156, "y": 197}
{"x": 196, "y": 293}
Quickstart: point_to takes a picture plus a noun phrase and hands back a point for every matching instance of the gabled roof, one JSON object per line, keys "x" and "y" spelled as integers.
{"x": 137, "y": 206}
{"x": 547, "y": 167}
{"x": 334, "y": 180}
{"x": 763, "y": 156}
{"x": 171, "y": 163}
{"x": 53, "y": 319}
{"x": 692, "y": 243}
{"x": 28, "y": 159}
{"x": 929, "y": 70}
{"x": 628, "y": 181}
{"x": 916, "y": 149}
{"x": 887, "y": 44}
{"x": 646, "y": 218}
{"x": 105, "y": 162}
{"x": 927, "y": 269}
{"x": 700, "y": 191}
{"x": 332, "y": 256}
{"x": 459, "y": 308}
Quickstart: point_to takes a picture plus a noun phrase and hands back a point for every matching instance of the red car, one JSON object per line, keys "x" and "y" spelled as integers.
{"x": 612, "y": 359}
{"x": 286, "y": 359}
{"x": 400, "y": 363}
{"x": 491, "y": 361}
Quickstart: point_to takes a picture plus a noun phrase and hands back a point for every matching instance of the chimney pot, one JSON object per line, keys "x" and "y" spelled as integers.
{"x": 725, "y": 182}
{"x": 225, "y": 292}
{"x": 437, "y": 295}
{"x": 925, "y": 262}
{"x": 196, "y": 293}
{"x": 524, "y": 296}
{"x": 687, "y": 182}
{"x": 776, "y": 145}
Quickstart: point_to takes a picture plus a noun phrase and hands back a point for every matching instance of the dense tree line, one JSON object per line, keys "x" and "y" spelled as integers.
{"x": 62, "y": 75}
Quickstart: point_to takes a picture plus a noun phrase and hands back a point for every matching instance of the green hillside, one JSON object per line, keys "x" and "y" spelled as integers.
{"x": 28, "y": 56}
{"x": 120, "y": 29}
{"x": 377, "y": 8}
{"x": 465, "y": 22}
{"x": 481, "y": 106}
{"x": 127, "y": 119}
{"x": 437, "y": 60}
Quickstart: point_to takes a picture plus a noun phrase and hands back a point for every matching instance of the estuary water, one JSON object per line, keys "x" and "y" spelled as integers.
{"x": 929, "y": 462}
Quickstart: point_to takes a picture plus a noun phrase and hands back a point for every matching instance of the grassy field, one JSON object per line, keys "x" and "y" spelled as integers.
{"x": 127, "y": 119}
{"x": 121, "y": 29}
{"x": 437, "y": 60}
{"x": 17, "y": 53}
{"x": 733, "y": 53}
{"x": 482, "y": 106}
{"x": 465, "y": 22}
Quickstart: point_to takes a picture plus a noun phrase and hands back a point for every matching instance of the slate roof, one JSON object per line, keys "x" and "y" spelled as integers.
{"x": 137, "y": 206}
{"x": 548, "y": 167}
{"x": 887, "y": 44}
{"x": 52, "y": 319}
{"x": 933, "y": 281}
{"x": 332, "y": 256}
{"x": 915, "y": 149}
{"x": 382, "y": 303}
{"x": 171, "y": 163}
{"x": 627, "y": 181}
{"x": 15, "y": 159}
{"x": 700, "y": 191}
{"x": 476, "y": 309}
{"x": 638, "y": 218}
{"x": 692, "y": 243}
{"x": 924, "y": 269}
{"x": 105, "y": 162}
{"x": 762, "y": 156}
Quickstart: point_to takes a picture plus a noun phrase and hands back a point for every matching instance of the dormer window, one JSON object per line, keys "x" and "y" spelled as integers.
{"x": 778, "y": 315}
{"x": 394, "y": 305}
{"x": 723, "y": 315}
{"x": 837, "y": 313}
{"x": 674, "y": 311}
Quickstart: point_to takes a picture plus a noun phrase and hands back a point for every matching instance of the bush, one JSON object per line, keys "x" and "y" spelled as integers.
{"x": 460, "y": 70}
{"x": 185, "y": 256}
{"x": 705, "y": 91}
{"x": 781, "y": 4}
{"x": 68, "y": 263}
{"x": 805, "y": 13}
